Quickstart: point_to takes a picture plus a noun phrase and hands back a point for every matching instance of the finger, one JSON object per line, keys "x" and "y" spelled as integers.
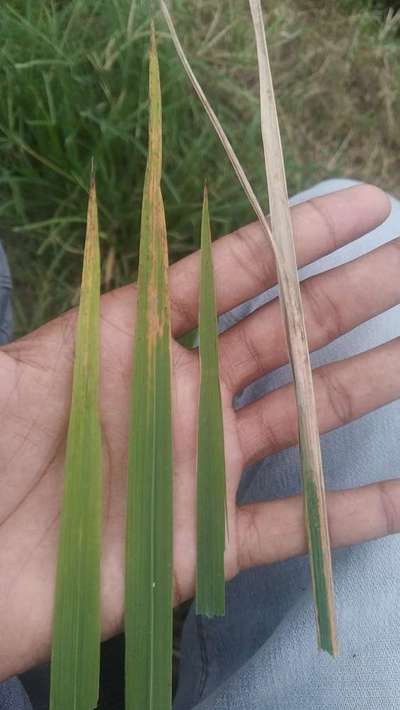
{"x": 334, "y": 302}
{"x": 243, "y": 264}
{"x": 243, "y": 261}
{"x": 275, "y": 531}
{"x": 344, "y": 391}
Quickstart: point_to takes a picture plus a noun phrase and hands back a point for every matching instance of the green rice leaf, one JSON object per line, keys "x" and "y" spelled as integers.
{"x": 149, "y": 572}
{"x": 309, "y": 440}
{"x": 75, "y": 660}
{"x": 211, "y": 494}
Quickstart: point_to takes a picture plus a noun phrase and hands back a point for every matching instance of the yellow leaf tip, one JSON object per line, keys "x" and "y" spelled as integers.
{"x": 92, "y": 175}
{"x": 153, "y": 41}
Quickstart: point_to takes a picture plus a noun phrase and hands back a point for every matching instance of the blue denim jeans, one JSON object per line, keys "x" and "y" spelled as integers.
{"x": 5, "y": 299}
{"x": 12, "y": 694}
{"x": 262, "y": 655}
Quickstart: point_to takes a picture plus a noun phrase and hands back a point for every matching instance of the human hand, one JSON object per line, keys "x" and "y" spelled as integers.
{"x": 35, "y": 386}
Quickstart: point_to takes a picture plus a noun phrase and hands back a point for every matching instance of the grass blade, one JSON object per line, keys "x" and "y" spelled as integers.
{"x": 148, "y": 592}
{"x": 75, "y": 662}
{"x": 309, "y": 435}
{"x": 309, "y": 440}
{"x": 240, "y": 173}
{"x": 211, "y": 495}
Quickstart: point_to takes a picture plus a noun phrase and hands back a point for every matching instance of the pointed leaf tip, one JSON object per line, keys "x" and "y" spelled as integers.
{"x": 92, "y": 181}
{"x": 153, "y": 40}
{"x": 211, "y": 494}
{"x": 149, "y": 562}
{"x": 76, "y": 626}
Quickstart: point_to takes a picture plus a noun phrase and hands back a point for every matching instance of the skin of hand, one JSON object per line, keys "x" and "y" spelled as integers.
{"x": 35, "y": 388}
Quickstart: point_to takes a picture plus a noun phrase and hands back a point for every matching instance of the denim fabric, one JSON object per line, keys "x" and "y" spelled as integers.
{"x": 13, "y": 696}
{"x": 5, "y": 299}
{"x": 262, "y": 655}
{"x": 12, "y": 693}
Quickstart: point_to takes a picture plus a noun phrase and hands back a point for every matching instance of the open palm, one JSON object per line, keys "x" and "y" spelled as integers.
{"x": 35, "y": 385}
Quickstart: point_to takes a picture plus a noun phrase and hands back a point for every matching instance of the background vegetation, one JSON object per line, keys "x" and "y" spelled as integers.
{"x": 73, "y": 78}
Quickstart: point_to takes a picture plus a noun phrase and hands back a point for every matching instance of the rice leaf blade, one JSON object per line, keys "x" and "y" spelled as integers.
{"x": 75, "y": 662}
{"x": 149, "y": 576}
{"x": 309, "y": 439}
{"x": 326, "y": 621}
{"x": 211, "y": 495}
{"x": 240, "y": 173}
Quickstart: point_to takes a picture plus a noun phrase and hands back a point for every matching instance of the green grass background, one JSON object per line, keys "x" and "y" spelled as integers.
{"x": 73, "y": 78}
